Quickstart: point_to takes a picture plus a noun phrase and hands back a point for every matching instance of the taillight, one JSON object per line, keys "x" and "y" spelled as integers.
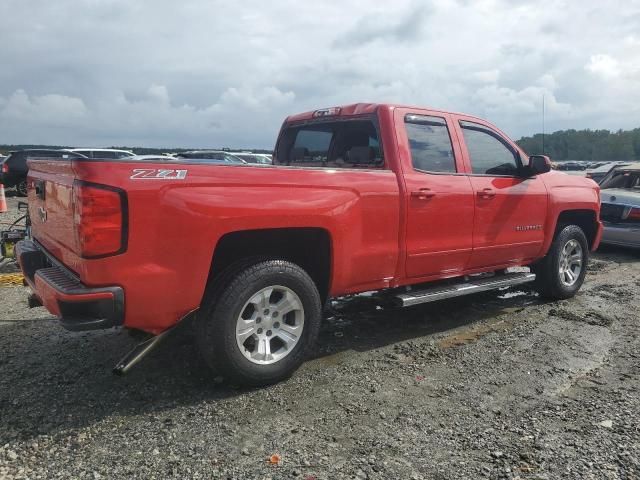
{"x": 634, "y": 214}
{"x": 5, "y": 168}
{"x": 99, "y": 218}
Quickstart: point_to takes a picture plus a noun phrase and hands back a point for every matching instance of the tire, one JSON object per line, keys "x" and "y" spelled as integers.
{"x": 239, "y": 318}
{"x": 553, "y": 281}
{"x": 21, "y": 188}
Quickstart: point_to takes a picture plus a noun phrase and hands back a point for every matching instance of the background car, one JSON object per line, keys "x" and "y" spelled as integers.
{"x": 13, "y": 172}
{"x": 218, "y": 155}
{"x": 249, "y": 157}
{"x": 620, "y": 205}
{"x": 597, "y": 174}
{"x": 571, "y": 165}
{"x": 110, "y": 153}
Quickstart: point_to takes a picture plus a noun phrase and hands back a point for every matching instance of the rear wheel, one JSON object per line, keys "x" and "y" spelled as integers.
{"x": 21, "y": 188}
{"x": 257, "y": 327}
{"x": 561, "y": 272}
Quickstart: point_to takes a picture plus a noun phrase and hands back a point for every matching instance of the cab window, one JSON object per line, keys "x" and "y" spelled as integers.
{"x": 430, "y": 143}
{"x": 331, "y": 144}
{"x": 488, "y": 152}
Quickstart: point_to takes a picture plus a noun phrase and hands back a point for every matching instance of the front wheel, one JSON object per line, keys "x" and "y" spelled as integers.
{"x": 261, "y": 322}
{"x": 561, "y": 272}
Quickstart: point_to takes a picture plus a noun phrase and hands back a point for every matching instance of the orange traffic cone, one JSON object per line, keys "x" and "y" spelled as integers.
{"x": 3, "y": 200}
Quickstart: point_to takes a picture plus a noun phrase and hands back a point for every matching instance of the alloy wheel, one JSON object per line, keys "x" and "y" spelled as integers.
{"x": 571, "y": 262}
{"x": 270, "y": 325}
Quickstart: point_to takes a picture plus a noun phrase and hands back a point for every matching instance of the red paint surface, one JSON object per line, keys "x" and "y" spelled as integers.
{"x": 381, "y": 234}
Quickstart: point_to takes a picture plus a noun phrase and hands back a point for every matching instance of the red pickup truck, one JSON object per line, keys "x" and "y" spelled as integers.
{"x": 414, "y": 203}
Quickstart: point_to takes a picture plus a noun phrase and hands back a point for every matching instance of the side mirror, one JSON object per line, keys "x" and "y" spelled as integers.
{"x": 539, "y": 164}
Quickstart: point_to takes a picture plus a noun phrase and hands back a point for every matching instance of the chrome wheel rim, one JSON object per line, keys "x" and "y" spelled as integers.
{"x": 270, "y": 325}
{"x": 570, "y": 265}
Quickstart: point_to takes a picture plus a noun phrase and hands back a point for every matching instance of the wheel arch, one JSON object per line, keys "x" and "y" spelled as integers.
{"x": 308, "y": 247}
{"x": 583, "y": 218}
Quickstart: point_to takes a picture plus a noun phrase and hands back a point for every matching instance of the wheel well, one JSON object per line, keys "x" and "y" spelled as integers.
{"x": 585, "y": 219}
{"x": 310, "y": 248}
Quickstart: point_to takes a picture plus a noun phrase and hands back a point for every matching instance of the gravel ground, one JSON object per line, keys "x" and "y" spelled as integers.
{"x": 497, "y": 385}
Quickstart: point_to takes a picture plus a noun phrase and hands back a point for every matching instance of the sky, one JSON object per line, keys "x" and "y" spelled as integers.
{"x": 208, "y": 73}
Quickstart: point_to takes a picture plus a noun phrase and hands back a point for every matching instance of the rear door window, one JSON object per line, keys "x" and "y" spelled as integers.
{"x": 430, "y": 143}
{"x": 331, "y": 144}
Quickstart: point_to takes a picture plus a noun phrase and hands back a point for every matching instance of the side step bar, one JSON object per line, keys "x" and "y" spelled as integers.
{"x": 449, "y": 291}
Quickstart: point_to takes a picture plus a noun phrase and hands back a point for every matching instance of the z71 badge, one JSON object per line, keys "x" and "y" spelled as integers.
{"x": 157, "y": 174}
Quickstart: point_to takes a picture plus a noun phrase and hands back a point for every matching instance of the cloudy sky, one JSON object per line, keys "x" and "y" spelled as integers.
{"x": 208, "y": 73}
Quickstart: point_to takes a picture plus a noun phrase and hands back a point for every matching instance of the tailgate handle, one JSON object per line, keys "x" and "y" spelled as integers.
{"x": 39, "y": 187}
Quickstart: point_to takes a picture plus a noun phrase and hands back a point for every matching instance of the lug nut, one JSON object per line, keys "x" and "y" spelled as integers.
{"x": 274, "y": 314}
{"x": 276, "y": 325}
{"x": 259, "y": 331}
{"x": 268, "y": 333}
{"x": 266, "y": 311}
{"x": 258, "y": 320}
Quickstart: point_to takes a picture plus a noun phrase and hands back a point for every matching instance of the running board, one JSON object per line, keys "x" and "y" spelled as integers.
{"x": 449, "y": 291}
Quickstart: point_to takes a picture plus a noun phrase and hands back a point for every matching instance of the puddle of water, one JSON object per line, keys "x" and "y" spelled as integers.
{"x": 512, "y": 294}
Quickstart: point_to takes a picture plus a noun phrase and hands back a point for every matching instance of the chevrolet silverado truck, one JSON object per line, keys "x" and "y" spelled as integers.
{"x": 416, "y": 204}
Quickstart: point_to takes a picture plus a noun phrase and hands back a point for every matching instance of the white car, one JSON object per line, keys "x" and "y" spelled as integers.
{"x": 620, "y": 206}
{"x": 110, "y": 153}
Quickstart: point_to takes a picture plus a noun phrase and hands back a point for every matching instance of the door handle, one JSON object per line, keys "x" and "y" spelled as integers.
{"x": 487, "y": 193}
{"x": 423, "y": 194}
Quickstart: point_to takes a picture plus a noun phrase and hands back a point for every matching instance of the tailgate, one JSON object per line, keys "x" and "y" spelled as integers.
{"x": 50, "y": 192}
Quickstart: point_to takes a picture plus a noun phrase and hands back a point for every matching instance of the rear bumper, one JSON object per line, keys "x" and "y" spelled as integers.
{"x": 60, "y": 291}
{"x": 626, "y": 236}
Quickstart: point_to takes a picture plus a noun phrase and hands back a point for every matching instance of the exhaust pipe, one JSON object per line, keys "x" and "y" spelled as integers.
{"x": 138, "y": 353}
{"x": 142, "y": 349}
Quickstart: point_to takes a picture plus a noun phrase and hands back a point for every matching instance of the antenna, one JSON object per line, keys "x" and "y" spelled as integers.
{"x": 543, "y": 123}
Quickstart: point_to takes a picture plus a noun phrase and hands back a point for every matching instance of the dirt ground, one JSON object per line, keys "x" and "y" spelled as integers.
{"x": 496, "y": 385}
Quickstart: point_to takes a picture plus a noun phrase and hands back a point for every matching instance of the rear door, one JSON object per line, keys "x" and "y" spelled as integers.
{"x": 439, "y": 198}
{"x": 510, "y": 210}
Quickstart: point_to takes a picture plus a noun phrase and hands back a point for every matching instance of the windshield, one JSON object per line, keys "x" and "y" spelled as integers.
{"x": 253, "y": 158}
{"x": 623, "y": 179}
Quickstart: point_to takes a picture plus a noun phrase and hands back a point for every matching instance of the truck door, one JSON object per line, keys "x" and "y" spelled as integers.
{"x": 439, "y": 197}
{"x": 510, "y": 209}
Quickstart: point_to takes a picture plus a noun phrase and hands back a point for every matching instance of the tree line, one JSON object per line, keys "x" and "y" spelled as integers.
{"x": 596, "y": 145}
